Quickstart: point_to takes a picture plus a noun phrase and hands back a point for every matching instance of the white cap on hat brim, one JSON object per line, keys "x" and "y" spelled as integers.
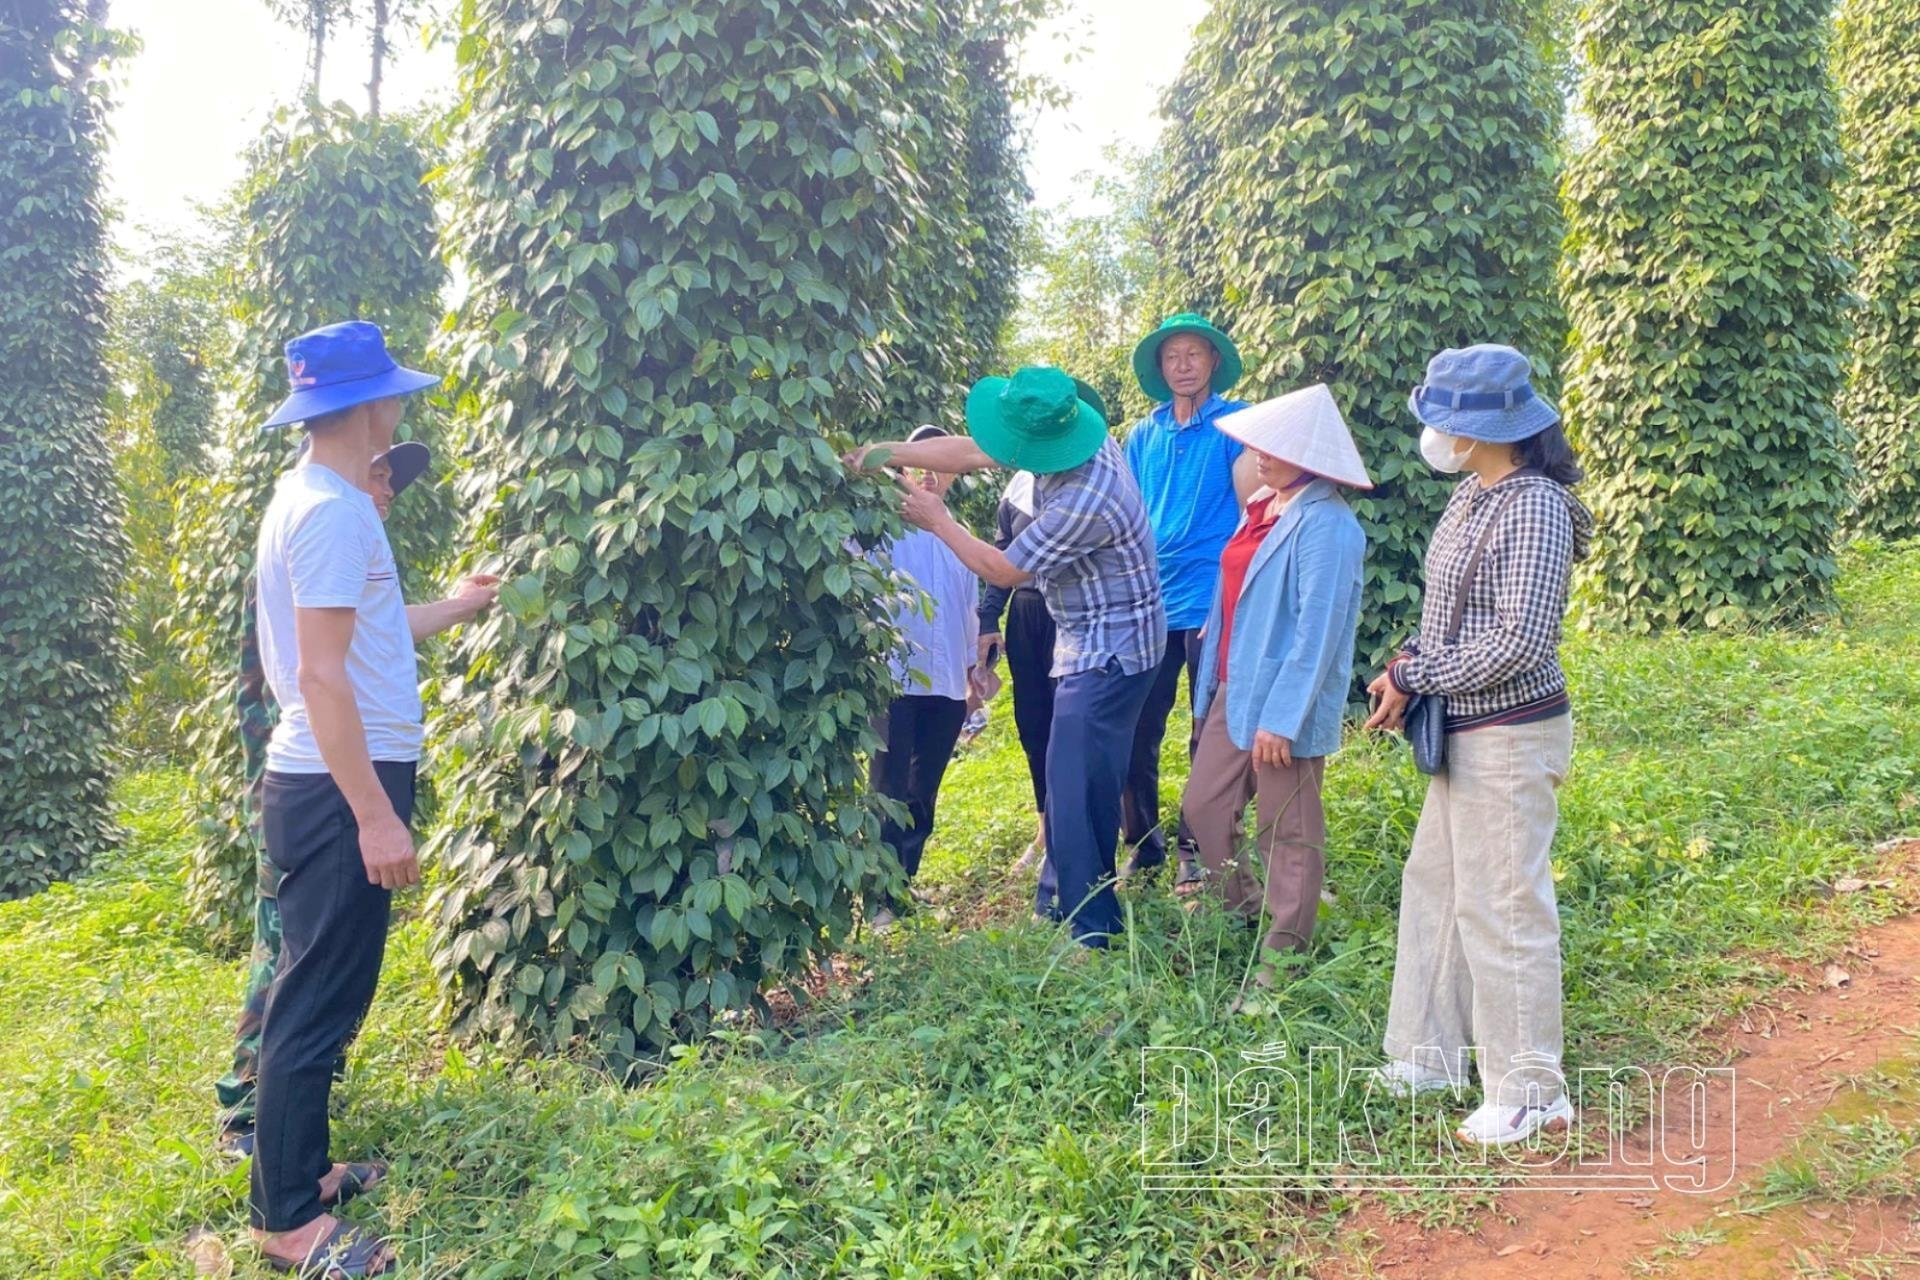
{"x": 1305, "y": 428}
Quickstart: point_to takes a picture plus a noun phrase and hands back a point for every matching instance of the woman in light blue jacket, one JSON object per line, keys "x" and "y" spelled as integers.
{"x": 1276, "y": 663}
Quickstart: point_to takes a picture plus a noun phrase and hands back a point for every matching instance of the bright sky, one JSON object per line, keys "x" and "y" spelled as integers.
{"x": 212, "y": 71}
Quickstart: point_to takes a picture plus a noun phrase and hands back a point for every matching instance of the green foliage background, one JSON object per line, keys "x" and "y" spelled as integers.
{"x": 336, "y": 225}
{"x": 61, "y": 542}
{"x": 687, "y": 227}
{"x": 1706, "y": 299}
{"x": 1092, "y": 267}
{"x": 1349, "y": 188}
{"x": 165, "y": 344}
{"x": 1876, "y": 64}
{"x": 956, "y": 282}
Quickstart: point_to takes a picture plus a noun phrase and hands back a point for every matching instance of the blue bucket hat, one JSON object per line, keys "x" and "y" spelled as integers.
{"x": 338, "y": 366}
{"x": 1482, "y": 392}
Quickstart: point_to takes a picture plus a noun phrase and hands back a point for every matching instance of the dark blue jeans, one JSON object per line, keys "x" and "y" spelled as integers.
{"x": 1087, "y": 753}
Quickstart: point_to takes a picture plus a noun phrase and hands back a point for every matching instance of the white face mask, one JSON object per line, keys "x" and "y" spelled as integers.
{"x": 1444, "y": 453}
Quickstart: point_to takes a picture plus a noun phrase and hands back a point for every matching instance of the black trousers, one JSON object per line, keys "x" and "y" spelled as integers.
{"x": 1140, "y": 805}
{"x": 1029, "y": 641}
{"x": 333, "y": 925}
{"x": 920, "y": 734}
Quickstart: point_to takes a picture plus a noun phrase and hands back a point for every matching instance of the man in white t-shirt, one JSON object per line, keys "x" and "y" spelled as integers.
{"x": 934, "y": 669}
{"x": 336, "y": 644}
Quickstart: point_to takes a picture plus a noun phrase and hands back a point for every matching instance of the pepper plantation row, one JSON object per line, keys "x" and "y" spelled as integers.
{"x": 694, "y": 250}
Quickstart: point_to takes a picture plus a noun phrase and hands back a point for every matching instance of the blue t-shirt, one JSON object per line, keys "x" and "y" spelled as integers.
{"x": 1186, "y": 477}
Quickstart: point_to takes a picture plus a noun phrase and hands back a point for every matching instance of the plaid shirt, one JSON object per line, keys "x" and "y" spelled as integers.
{"x": 1508, "y": 652}
{"x": 1090, "y": 551}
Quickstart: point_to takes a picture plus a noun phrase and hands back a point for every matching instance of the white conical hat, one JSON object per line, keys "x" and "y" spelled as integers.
{"x": 1305, "y": 428}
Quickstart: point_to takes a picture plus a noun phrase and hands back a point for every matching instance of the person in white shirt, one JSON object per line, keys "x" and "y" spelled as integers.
{"x": 336, "y": 644}
{"x": 934, "y": 668}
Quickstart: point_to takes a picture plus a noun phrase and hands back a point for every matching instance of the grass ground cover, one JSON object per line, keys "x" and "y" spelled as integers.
{"x": 973, "y": 1106}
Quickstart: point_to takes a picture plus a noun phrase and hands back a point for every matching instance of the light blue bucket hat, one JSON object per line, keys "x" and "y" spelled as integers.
{"x": 1482, "y": 392}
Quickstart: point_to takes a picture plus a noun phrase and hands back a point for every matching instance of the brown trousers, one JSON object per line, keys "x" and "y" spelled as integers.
{"x": 1291, "y": 830}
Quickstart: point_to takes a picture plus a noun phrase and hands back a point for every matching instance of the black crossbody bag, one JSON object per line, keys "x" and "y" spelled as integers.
{"x": 1426, "y": 714}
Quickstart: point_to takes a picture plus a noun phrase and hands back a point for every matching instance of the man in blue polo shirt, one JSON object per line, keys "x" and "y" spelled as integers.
{"x": 1186, "y": 470}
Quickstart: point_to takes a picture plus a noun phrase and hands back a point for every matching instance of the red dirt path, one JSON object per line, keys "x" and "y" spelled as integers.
{"x": 1790, "y": 1058}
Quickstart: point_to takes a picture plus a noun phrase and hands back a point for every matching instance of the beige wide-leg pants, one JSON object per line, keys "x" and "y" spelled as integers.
{"x": 1291, "y": 830}
{"x": 1478, "y": 963}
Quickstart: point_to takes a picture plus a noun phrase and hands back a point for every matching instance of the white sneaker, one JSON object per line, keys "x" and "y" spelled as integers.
{"x": 1497, "y": 1124}
{"x": 1400, "y": 1079}
{"x": 881, "y": 921}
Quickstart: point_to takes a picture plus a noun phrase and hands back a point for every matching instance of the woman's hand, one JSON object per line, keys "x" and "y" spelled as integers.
{"x": 1391, "y": 714}
{"x": 1270, "y": 750}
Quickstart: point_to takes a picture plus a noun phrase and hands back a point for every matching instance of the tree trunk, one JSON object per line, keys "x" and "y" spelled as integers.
{"x": 319, "y": 42}
{"x": 379, "y": 57}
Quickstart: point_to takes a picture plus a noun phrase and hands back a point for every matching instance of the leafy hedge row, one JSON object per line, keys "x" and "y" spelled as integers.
{"x": 336, "y": 225}
{"x": 1350, "y": 188}
{"x": 60, "y": 534}
{"x": 691, "y": 233}
{"x": 957, "y": 278}
{"x": 162, "y": 351}
{"x": 1706, "y": 299}
{"x": 1876, "y": 63}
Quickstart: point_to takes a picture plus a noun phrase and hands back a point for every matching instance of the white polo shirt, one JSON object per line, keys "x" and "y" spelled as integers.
{"x": 322, "y": 546}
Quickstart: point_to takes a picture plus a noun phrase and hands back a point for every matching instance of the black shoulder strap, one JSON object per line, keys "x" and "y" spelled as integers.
{"x": 1473, "y": 568}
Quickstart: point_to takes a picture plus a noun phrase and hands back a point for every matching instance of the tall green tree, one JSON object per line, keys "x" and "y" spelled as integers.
{"x": 335, "y": 225}
{"x": 167, "y": 338}
{"x": 1876, "y": 64}
{"x": 1351, "y": 187}
{"x": 60, "y": 528}
{"x": 1707, "y": 307}
{"x": 1090, "y": 273}
{"x": 957, "y": 279}
{"x": 685, "y": 224}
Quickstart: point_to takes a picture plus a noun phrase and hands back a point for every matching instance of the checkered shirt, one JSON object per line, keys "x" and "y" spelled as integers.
{"x": 1508, "y": 652}
{"x": 1090, "y": 551}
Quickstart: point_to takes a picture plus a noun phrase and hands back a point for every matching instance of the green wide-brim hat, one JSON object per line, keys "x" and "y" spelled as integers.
{"x": 1146, "y": 356}
{"x": 1034, "y": 421}
{"x": 1094, "y": 398}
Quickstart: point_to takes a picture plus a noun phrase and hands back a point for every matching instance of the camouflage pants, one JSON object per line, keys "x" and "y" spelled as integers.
{"x": 235, "y": 1089}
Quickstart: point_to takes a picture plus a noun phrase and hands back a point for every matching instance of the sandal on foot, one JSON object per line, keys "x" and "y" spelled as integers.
{"x": 345, "y": 1253}
{"x": 357, "y": 1181}
{"x": 1189, "y": 880}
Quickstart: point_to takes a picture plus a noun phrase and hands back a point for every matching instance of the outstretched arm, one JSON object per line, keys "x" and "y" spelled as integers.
{"x": 952, "y": 455}
{"x": 987, "y": 562}
{"x": 471, "y": 597}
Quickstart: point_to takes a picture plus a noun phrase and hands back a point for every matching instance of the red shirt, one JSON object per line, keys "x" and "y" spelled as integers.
{"x": 1234, "y": 563}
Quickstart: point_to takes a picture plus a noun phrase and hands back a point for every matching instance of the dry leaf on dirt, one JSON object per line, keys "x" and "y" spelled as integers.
{"x": 1835, "y": 977}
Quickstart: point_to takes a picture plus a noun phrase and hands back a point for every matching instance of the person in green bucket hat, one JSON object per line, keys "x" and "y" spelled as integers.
{"x": 1194, "y": 480}
{"x": 1089, "y": 549}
